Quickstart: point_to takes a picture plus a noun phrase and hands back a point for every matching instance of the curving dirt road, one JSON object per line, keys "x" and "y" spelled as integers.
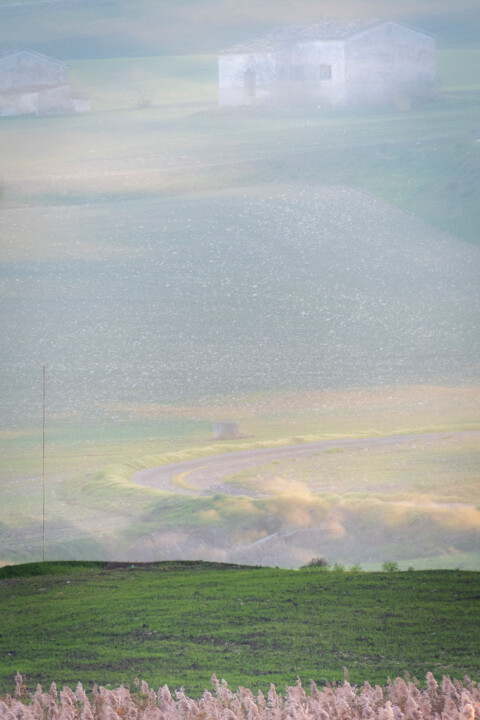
{"x": 207, "y": 475}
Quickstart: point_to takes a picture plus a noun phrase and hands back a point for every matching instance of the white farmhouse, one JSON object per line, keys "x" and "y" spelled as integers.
{"x": 331, "y": 63}
{"x": 34, "y": 84}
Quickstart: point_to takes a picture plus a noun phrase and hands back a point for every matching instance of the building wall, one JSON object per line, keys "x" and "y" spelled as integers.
{"x": 45, "y": 101}
{"x": 246, "y": 78}
{"x": 31, "y": 84}
{"x": 323, "y": 79}
{"x": 81, "y": 105}
{"x": 12, "y": 104}
{"x": 304, "y": 73}
{"x": 384, "y": 65}
{"x": 388, "y": 62}
{"x": 24, "y": 70}
{"x": 55, "y": 99}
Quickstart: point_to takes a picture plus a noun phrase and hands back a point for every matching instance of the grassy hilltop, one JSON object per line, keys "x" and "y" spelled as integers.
{"x": 178, "y": 623}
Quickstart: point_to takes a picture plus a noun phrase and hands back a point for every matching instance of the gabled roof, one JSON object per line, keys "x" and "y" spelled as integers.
{"x": 20, "y": 51}
{"x": 326, "y": 31}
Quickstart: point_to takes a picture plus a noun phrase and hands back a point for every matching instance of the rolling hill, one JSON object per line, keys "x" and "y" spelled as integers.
{"x": 115, "y": 28}
{"x": 178, "y": 623}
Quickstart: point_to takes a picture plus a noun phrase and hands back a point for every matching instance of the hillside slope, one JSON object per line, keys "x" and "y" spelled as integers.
{"x": 279, "y": 288}
{"x": 114, "y": 28}
{"x": 178, "y": 623}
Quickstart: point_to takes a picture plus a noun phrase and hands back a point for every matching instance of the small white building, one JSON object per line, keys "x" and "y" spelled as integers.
{"x": 225, "y": 429}
{"x": 34, "y": 84}
{"x": 331, "y": 63}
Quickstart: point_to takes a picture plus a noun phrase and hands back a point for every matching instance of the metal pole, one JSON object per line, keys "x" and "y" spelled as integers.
{"x": 43, "y": 470}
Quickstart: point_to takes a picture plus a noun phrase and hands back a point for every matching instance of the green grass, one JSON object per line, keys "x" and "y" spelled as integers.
{"x": 177, "y": 623}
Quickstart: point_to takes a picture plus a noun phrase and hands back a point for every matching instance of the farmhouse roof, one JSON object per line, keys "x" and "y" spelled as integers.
{"x": 21, "y": 51}
{"x": 324, "y": 31}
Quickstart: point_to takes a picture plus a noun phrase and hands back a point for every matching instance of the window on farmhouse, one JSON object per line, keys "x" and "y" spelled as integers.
{"x": 325, "y": 72}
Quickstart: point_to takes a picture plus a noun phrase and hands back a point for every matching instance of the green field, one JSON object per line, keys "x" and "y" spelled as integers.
{"x": 179, "y": 623}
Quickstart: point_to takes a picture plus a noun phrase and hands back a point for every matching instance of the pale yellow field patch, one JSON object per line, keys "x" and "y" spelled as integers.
{"x": 386, "y": 410}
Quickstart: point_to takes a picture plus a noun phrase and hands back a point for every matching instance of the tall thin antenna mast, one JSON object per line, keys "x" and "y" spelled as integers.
{"x": 43, "y": 470}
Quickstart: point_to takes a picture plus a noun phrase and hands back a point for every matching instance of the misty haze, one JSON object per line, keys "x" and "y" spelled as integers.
{"x": 256, "y": 218}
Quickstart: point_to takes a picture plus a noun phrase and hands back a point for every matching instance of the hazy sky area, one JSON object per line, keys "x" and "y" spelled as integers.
{"x": 162, "y": 255}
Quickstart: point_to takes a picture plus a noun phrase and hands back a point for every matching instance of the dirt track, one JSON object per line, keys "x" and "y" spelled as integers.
{"x": 206, "y": 476}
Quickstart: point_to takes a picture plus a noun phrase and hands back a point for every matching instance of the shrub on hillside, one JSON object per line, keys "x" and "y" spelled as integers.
{"x": 318, "y": 562}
